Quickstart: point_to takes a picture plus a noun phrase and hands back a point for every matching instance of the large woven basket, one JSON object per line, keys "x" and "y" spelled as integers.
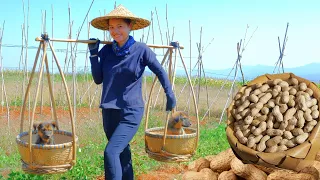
{"x": 295, "y": 158}
{"x": 46, "y": 159}
{"x": 171, "y": 148}
{"x": 177, "y": 147}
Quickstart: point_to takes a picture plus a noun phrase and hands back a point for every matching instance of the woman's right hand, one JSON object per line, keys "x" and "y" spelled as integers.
{"x": 94, "y": 47}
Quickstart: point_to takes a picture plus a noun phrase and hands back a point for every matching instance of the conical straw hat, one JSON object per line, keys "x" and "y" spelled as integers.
{"x": 120, "y": 12}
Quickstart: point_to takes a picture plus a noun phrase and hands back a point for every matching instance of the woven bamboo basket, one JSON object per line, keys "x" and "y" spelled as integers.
{"x": 171, "y": 148}
{"x": 46, "y": 159}
{"x": 296, "y": 158}
{"x": 176, "y": 148}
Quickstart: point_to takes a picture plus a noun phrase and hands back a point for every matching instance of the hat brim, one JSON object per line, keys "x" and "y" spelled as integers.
{"x": 103, "y": 23}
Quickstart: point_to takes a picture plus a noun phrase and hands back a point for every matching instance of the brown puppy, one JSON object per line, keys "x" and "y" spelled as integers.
{"x": 178, "y": 120}
{"x": 45, "y": 133}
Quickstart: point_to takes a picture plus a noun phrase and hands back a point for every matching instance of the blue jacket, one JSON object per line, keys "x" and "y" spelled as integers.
{"x": 122, "y": 75}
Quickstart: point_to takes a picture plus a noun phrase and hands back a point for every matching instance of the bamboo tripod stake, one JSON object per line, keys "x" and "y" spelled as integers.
{"x": 44, "y": 41}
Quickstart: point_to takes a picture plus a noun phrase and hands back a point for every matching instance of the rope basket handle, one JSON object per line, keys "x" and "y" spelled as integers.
{"x": 43, "y": 45}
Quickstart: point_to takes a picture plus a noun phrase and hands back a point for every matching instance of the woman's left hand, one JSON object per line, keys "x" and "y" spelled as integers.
{"x": 171, "y": 101}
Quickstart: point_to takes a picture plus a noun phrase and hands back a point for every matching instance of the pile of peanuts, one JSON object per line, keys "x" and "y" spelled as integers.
{"x": 274, "y": 116}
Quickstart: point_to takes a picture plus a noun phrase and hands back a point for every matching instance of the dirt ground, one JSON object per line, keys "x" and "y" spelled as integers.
{"x": 165, "y": 172}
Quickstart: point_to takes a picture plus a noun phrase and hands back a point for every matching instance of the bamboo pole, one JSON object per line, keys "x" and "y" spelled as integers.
{"x": 52, "y": 62}
{"x": 159, "y": 27}
{"x": 35, "y": 102}
{"x": 1, "y": 69}
{"x": 42, "y": 81}
{"x": 190, "y": 64}
{"x": 69, "y": 101}
{"x": 280, "y": 61}
{"x": 20, "y": 71}
{"x": 168, "y": 38}
{"x": 28, "y": 87}
{"x": 152, "y": 29}
{"x": 193, "y": 95}
{"x": 26, "y": 37}
{"x": 152, "y": 87}
{"x": 102, "y": 42}
{"x": 51, "y": 93}
{"x": 3, "y": 83}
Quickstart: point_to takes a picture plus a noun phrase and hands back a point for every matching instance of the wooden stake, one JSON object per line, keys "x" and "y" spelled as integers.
{"x": 4, "y": 92}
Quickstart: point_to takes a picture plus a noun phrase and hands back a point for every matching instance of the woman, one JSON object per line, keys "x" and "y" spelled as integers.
{"x": 120, "y": 69}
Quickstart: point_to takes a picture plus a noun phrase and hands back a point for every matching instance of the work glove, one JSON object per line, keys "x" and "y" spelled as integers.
{"x": 171, "y": 101}
{"x": 94, "y": 47}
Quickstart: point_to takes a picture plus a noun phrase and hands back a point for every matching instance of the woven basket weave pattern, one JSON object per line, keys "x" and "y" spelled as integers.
{"x": 47, "y": 158}
{"x": 294, "y": 158}
{"x": 177, "y": 147}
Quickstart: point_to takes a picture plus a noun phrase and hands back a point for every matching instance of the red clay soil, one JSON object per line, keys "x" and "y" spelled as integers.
{"x": 165, "y": 172}
{"x": 43, "y": 113}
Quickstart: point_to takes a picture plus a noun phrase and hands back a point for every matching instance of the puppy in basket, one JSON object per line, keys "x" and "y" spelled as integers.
{"x": 45, "y": 133}
{"x": 178, "y": 120}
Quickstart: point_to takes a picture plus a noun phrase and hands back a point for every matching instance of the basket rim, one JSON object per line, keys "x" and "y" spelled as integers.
{"x": 41, "y": 146}
{"x": 182, "y": 136}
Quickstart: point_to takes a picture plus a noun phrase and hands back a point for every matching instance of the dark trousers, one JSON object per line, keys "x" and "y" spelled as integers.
{"x": 120, "y": 125}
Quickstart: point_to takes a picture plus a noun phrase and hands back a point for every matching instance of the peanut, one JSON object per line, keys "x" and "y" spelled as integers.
{"x": 265, "y": 98}
{"x": 244, "y": 105}
{"x": 292, "y": 91}
{"x": 300, "y": 118}
{"x": 301, "y": 138}
{"x": 270, "y": 103}
{"x": 253, "y": 98}
{"x": 277, "y": 114}
{"x": 291, "y": 143}
{"x": 287, "y": 134}
{"x": 274, "y": 132}
{"x": 315, "y": 114}
{"x": 297, "y": 131}
{"x": 254, "y": 140}
{"x": 248, "y": 120}
{"x": 264, "y": 87}
{"x": 262, "y": 145}
{"x": 262, "y": 127}
{"x": 272, "y": 149}
{"x": 301, "y": 102}
{"x": 240, "y": 137}
{"x": 285, "y": 97}
{"x": 293, "y": 81}
{"x": 289, "y": 114}
{"x": 273, "y": 141}
{"x": 283, "y": 108}
{"x": 265, "y": 110}
{"x": 309, "y": 91}
{"x": 302, "y": 86}
{"x": 310, "y": 125}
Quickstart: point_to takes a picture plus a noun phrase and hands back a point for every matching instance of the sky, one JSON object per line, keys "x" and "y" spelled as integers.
{"x": 223, "y": 22}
